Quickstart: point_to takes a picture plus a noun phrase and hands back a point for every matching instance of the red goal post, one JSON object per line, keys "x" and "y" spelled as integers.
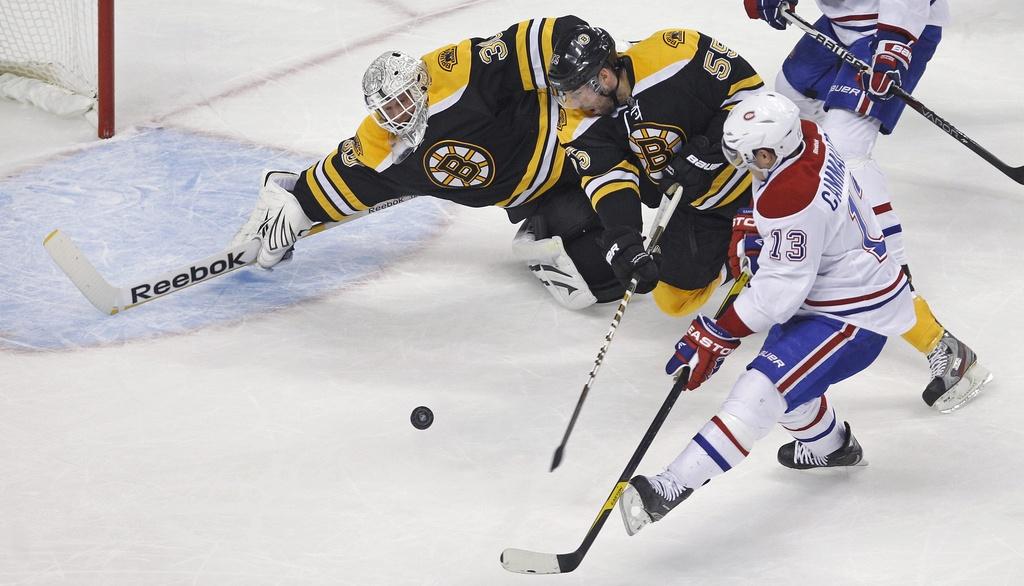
{"x": 58, "y": 55}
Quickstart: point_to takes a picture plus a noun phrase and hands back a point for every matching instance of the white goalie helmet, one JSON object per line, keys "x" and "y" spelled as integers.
{"x": 767, "y": 120}
{"x": 395, "y": 89}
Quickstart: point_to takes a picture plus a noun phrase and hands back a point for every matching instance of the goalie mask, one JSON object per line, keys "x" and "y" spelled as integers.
{"x": 395, "y": 89}
{"x": 767, "y": 120}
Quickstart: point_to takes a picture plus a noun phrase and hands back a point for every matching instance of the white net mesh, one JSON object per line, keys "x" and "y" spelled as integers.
{"x": 50, "y": 40}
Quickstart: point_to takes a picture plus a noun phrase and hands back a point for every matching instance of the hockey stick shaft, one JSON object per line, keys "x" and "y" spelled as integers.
{"x": 1015, "y": 173}
{"x": 530, "y": 562}
{"x": 665, "y": 212}
{"x": 111, "y": 299}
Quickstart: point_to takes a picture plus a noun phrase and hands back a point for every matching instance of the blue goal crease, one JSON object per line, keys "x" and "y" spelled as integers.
{"x": 141, "y": 206}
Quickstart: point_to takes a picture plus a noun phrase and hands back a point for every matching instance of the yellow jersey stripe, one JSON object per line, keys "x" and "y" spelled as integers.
{"x": 339, "y": 183}
{"x": 622, "y": 170}
{"x": 538, "y": 150}
{"x": 321, "y": 199}
{"x": 546, "y": 48}
{"x": 721, "y": 180}
{"x": 613, "y": 187}
{"x": 523, "y": 54}
{"x": 743, "y": 84}
{"x": 554, "y": 176}
{"x": 738, "y": 191}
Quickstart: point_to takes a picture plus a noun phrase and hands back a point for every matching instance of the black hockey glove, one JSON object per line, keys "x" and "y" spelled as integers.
{"x": 628, "y": 258}
{"x": 694, "y": 168}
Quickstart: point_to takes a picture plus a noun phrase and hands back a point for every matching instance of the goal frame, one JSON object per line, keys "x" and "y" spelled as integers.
{"x": 105, "y": 69}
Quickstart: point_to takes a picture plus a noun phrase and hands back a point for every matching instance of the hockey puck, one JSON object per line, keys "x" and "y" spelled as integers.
{"x": 422, "y": 417}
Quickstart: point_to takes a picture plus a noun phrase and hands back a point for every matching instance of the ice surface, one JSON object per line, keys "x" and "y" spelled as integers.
{"x": 274, "y": 447}
{"x": 157, "y": 200}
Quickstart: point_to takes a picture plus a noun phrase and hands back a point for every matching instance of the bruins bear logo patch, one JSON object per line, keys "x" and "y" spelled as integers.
{"x": 448, "y": 58}
{"x": 654, "y": 145}
{"x": 673, "y": 38}
{"x": 450, "y": 163}
{"x": 350, "y": 152}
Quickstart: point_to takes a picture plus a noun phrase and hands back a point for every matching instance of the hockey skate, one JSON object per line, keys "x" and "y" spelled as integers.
{"x": 648, "y": 499}
{"x": 956, "y": 375}
{"x": 797, "y": 455}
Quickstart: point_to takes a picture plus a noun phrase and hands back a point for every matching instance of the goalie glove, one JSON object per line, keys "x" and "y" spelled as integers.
{"x": 278, "y": 220}
{"x": 693, "y": 168}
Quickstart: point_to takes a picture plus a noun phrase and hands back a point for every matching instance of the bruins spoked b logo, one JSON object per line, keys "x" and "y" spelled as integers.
{"x": 654, "y": 144}
{"x": 450, "y": 163}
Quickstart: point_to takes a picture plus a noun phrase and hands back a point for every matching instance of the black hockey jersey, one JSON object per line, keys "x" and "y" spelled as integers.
{"x": 491, "y": 135}
{"x": 683, "y": 85}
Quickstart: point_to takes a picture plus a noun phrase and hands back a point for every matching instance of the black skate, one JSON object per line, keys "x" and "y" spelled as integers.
{"x": 797, "y": 455}
{"x": 647, "y": 500}
{"x": 956, "y": 375}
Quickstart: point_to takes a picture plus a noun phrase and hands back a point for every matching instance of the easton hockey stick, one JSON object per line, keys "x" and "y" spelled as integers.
{"x": 665, "y": 212}
{"x": 111, "y": 299}
{"x": 534, "y": 562}
{"x": 1015, "y": 173}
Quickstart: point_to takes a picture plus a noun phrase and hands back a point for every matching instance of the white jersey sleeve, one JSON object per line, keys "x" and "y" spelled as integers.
{"x": 822, "y": 254}
{"x": 854, "y": 19}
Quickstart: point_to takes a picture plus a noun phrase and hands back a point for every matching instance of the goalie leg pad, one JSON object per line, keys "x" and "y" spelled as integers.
{"x": 549, "y": 262}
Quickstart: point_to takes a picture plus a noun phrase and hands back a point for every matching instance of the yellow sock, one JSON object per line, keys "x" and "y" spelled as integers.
{"x": 678, "y": 302}
{"x": 927, "y": 330}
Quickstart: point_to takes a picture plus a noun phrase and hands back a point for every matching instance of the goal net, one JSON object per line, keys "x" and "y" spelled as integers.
{"x": 58, "y": 56}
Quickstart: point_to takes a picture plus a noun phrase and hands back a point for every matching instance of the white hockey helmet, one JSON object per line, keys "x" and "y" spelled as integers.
{"x": 395, "y": 89}
{"x": 767, "y": 120}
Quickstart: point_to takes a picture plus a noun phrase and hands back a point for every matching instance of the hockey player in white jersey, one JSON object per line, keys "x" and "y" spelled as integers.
{"x": 827, "y": 291}
{"x": 897, "y": 38}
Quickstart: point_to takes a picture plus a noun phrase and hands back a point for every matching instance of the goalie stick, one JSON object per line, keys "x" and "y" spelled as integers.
{"x": 665, "y": 212}
{"x": 111, "y": 299}
{"x": 534, "y": 562}
{"x": 1015, "y": 173}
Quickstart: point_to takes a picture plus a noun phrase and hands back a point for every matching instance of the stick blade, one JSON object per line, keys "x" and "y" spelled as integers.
{"x": 1017, "y": 174}
{"x": 558, "y": 458}
{"x": 523, "y": 561}
{"x": 80, "y": 271}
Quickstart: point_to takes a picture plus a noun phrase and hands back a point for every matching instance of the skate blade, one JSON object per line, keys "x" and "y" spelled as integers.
{"x": 976, "y": 377}
{"x": 634, "y": 517}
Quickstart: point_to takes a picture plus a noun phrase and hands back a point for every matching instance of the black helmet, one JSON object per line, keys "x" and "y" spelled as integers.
{"x": 578, "y": 55}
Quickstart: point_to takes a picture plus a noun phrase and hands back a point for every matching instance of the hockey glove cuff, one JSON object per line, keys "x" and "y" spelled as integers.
{"x": 892, "y": 54}
{"x": 628, "y": 258}
{"x": 769, "y": 11}
{"x": 704, "y": 347}
{"x": 745, "y": 245}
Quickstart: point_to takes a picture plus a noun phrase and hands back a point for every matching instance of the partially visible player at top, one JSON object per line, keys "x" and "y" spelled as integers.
{"x": 826, "y": 290}
{"x": 470, "y": 122}
{"x": 897, "y": 38}
{"x": 639, "y": 121}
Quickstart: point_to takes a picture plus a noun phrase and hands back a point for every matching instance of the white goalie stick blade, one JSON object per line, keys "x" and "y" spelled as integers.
{"x": 523, "y": 561}
{"x": 634, "y": 516}
{"x": 104, "y": 296}
{"x": 110, "y": 299}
